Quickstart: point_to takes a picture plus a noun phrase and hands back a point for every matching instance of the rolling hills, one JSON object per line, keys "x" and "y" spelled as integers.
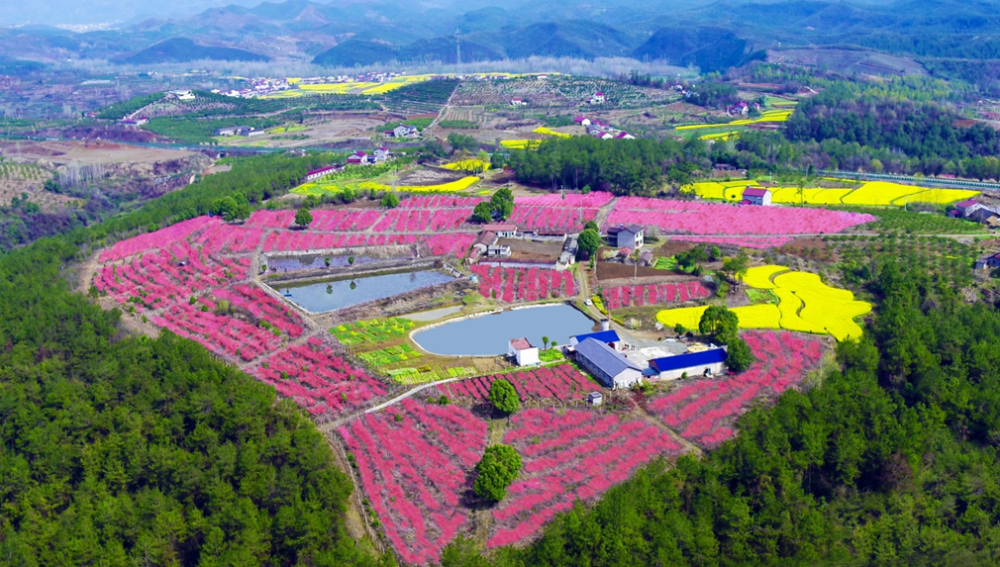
{"x": 182, "y": 50}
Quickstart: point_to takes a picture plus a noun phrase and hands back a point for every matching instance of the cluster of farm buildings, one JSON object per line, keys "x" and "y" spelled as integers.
{"x": 616, "y": 364}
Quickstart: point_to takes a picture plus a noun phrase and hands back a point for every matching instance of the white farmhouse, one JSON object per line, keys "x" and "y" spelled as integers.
{"x": 522, "y": 352}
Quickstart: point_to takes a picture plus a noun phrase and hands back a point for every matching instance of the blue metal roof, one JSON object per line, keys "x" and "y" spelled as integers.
{"x": 688, "y": 360}
{"x": 604, "y": 357}
{"x": 602, "y": 336}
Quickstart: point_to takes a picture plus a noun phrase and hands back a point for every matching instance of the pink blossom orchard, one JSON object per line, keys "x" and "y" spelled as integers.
{"x": 317, "y": 379}
{"x": 639, "y": 295}
{"x": 705, "y": 410}
{"x": 556, "y": 213}
{"x": 570, "y": 455}
{"x": 415, "y": 462}
{"x": 561, "y": 382}
{"x": 523, "y": 284}
{"x": 709, "y": 219}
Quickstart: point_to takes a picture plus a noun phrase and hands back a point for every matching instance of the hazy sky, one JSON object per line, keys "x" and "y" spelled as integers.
{"x": 75, "y": 12}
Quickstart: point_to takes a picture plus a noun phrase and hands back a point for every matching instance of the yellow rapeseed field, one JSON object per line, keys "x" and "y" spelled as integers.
{"x": 473, "y": 165}
{"x": 720, "y": 190}
{"x": 759, "y": 277}
{"x": 519, "y": 144}
{"x": 689, "y": 317}
{"x": 451, "y": 187}
{"x": 550, "y": 132}
{"x": 762, "y": 316}
{"x": 874, "y": 193}
{"x": 806, "y": 304}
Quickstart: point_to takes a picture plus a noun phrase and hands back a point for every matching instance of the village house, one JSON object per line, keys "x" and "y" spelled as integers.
{"x": 597, "y": 98}
{"x": 756, "y": 196}
{"x": 405, "y": 131}
{"x": 986, "y": 262}
{"x": 501, "y": 251}
{"x": 611, "y": 367}
{"x": 183, "y": 94}
{"x": 521, "y": 351}
{"x": 969, "y": 206}
{"x": 625, "y": 236}
{"x": 382, "y": 154}
{"x": 705, "y": 363}
{"x": 582, "y": 120}
{"x": 485, "y": 240}
{"x": 319, "y": 173}
{"x": 984, "y": 215}
{"x": 360, "y": 158}
{"x": 517, "y": 102}
{"x": 503, "y": 230}
{"x": 624, "y": 136}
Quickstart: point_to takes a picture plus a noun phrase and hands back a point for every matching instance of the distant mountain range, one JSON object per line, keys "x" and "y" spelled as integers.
{"x": 712, "y": 36}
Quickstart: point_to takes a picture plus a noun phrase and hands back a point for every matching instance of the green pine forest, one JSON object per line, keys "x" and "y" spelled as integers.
{"x": 123, "y": 450}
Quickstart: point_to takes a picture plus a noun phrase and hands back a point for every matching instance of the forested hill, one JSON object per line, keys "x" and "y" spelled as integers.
{"x": 123, "y": 450}
{"x": 920, "y": 130}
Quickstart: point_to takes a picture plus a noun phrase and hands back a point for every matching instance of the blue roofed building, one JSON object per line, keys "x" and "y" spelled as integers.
{"x": 712, "y": 361}
{"x": 611, "y": 367}
{"x": 608, "y": 337}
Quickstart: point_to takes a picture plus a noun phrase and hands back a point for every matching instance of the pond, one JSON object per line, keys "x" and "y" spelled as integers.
{"x": 488, "y": 335}
{"x": 321, "y": 296}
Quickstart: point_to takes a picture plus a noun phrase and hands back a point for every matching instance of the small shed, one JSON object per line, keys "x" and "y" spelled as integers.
{"x": 521, "y": 351}
{"x": 704, "y": 363}
{"x": 595, "y": 398}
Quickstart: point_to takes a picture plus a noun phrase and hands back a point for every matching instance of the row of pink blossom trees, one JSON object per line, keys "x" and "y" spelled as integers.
{"x": 639, "y": 295}
{"x": 523, "y": 284}
{"x": 415, "y": 462}
{"x": 561, "y": 382}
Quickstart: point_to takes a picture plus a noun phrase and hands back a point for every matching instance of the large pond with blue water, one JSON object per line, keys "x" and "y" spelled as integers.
{"x": 317, "y": 297}
{"x": 488, "y": 335}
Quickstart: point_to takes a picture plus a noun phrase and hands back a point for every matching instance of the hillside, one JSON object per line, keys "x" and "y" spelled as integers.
{"x": 708, "y": 48}
{"x": 182, "y": 50}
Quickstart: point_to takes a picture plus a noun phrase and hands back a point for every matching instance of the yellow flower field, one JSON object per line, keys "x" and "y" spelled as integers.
{"x": 806, "y": 304}
{"x": 689, "y": 317}
{"x": 763, "y": 316}
{"x": 759, "y": 277}
{"x": 789, "y": 305}
{"x": 451, "y": 187}
{"x": 474, "y": 165}
{"x": 550, "y": 132}
{"x": 520, "y": 144}
{"x": 766, "y": 116}
{"x": 880, "y": 193}
{"x": 723, "y": 136}
{"x": 874, "y": 193}
{"x": 721, "y": 190}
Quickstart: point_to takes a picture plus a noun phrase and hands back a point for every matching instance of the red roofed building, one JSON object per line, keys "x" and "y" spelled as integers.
{"x": 969, "y": 206}
{"x": 358, "y": 158}
{"x": 521, "y": 351}
{"x": 321, "y": 172}
{"x": 501, "y": 230}
{"x": 756, "y": 196}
